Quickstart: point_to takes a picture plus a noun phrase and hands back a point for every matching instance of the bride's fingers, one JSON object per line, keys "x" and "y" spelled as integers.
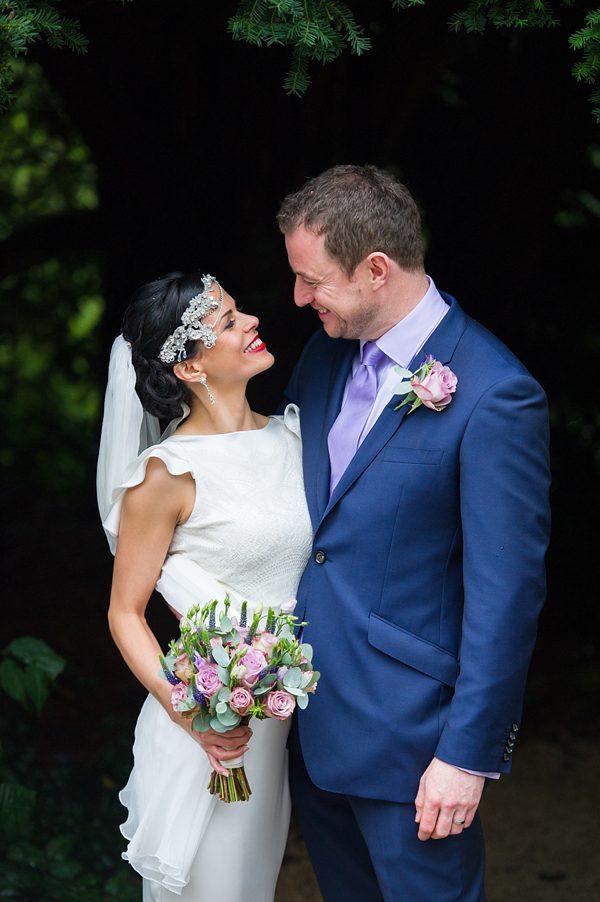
{"x": 216, "y": 765}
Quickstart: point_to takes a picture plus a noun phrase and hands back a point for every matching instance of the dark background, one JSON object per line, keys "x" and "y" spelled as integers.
{"x": 195, "y": 144}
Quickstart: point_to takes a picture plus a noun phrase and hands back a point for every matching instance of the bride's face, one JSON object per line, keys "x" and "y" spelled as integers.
{"x": 239, "y": 352}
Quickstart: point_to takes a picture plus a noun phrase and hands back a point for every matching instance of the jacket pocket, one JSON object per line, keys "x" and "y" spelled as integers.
{"x": 428, "y": 658}
{"x": 432, "y": 456}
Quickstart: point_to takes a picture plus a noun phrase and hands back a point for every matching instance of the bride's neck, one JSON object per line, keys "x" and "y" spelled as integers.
{"x": 227, "y": 414}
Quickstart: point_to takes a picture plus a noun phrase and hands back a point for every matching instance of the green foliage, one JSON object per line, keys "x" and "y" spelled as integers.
{"x": 24, "y": 21}
{"x": 48, "y": 388}
{"x": 316, "y": 29}
{"x": 28, "y": 668}
{"x": 587, "y": 40}
{"x": 44, "y": 832}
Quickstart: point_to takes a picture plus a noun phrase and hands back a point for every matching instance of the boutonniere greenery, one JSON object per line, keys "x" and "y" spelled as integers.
{"x": 432, "y": 385}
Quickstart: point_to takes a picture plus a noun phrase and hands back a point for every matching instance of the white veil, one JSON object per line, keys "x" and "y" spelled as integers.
{"x": 127, "y": 429}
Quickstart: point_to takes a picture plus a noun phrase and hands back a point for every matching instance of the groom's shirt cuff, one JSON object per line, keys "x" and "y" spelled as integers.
{"x": 478, "y": 773}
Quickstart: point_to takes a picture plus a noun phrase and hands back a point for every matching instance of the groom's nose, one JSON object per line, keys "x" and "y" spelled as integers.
{"x": 303, "y": 293}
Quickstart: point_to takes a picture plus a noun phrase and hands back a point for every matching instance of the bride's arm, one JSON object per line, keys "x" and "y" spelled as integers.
{"x": 151, "y": 511}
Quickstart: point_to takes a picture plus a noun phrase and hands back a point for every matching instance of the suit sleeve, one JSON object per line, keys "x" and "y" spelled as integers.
{"x": 504, "y": 483}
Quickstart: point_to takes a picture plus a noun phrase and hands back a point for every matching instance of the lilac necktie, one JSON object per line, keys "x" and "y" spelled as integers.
{"x": 345, "y": 434}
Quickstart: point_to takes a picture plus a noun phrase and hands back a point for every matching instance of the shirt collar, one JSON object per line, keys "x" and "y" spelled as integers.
{"x": 404, "y": 340}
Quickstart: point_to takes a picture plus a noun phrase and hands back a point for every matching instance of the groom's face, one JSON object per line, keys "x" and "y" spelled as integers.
{"x": 344, "y": 305}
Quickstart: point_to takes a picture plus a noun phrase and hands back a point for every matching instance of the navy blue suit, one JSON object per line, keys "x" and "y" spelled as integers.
{"x": 427, "y": 574}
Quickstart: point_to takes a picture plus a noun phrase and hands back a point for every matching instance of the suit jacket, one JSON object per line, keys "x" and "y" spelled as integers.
{"x": 427, "y": 574}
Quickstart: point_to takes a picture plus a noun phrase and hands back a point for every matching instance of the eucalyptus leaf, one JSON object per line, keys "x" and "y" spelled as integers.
{"x": 268, "y": 680}
{"x": 402, "y": 371}
{"x": 220, "y": 655}
{"x": 293, "y": 690}
{"x": 229, "y": 718}
{"x": 292, "y": 678}
{"x": 261, "y": 690}
{"x": 402, "y": 388}
{"x": 224, "y": 675}
{"x": 307, "y": 651}
{"x": 218, "y": 726}
{"x": 201, "y": 722}
{"x": 224, "y": 695}
{"x": 287, "y": 659}
{"x": 225, "y": 624}
{"x": 302, "y": 701}
{"x": 221, "y": 708}
{"x": 314, "y": 678}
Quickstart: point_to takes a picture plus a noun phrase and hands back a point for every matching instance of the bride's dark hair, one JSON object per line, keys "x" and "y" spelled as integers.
{"x": 153, "y": 314}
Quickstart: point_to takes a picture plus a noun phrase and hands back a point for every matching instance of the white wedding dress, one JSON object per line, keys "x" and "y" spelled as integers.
{"x": 249, "y": 536}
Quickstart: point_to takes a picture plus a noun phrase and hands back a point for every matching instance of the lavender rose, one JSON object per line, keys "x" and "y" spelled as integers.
{"x": 178, "y": 693}
{"x": 437, "y": 387}
{"x": 279, "y": 705}
{"x": 254, "y": 661}
{"x": 240, "y": 701}
{"x": 207, "y": 680}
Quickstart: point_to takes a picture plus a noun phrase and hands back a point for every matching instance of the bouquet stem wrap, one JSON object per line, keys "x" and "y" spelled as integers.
{"x": 234, "y": 787}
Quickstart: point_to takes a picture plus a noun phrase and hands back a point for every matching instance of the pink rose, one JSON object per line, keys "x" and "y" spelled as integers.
{"x": 265, "y": 643}
{"x": 216, "y": 641}
{"x": 279, "y": 705}
{"x": 437, "y": 386}
{"x": 240, "y": 701}
{"x": 254, "y": 661}
{"x": 183, "y": 668}
{"x": 178, "y": 693}
{"x": 207, "y": 680}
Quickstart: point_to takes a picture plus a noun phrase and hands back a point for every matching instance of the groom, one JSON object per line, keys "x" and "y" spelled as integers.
{"x": 427, "y": 572}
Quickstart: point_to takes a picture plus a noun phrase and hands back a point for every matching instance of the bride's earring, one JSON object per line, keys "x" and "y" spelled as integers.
{"x": 202, "y": 381}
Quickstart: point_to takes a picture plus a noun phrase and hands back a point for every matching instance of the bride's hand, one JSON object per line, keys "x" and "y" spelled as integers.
{"x": 224, "y": 746}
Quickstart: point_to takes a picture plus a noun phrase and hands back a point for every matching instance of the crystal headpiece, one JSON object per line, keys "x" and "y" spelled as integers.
{"x": 193, "y": 329}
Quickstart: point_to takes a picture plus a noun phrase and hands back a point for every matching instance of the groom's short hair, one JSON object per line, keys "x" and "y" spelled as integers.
{"x": 359, "y": 209}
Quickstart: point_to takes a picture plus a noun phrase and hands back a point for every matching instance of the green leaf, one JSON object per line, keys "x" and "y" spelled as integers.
{"x": 402, "y": 371}
{"x": 225, "y": 624}
{"x": 292, "y": 678}
{"x": 59, "y": 847}
{"x": 220, "y": 655}
{"x": 221, "y": 708}
{"x": 217, "y": 726}
{"x": 302, "y": 701}
{"x": 29, "y": 650}
{"x": 16, "y": 806}
{"x": 295, "y": 690}
{"x": 201, "y": 721}
{"x": 224, "y": 675}
{"x": 37, "y": 683}
{"x": 229, "y": 718}
{"x": 402, "y": 388}
{"x": 307, "y": 651}
{"x": 12, "y": 681}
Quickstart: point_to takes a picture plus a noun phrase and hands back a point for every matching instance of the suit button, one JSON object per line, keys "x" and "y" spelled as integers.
{"x": 512, "y": 736}
{"x": 320, "y": 557}
{"x": 515, "y": 727}
{"x": 506, "y": 756}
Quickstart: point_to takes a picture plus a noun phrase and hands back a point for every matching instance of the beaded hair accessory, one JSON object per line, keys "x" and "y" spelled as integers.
{"x": 193, "y": 329}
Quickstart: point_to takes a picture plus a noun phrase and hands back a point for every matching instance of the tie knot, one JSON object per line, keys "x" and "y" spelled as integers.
{"x": 371, "y": 354}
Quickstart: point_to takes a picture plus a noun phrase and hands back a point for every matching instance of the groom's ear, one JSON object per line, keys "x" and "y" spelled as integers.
{"x": 188, "y": 370}
{"x": 378, "y": 269}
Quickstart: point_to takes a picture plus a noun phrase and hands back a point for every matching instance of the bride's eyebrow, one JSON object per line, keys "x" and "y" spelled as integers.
{"x": 224, "y": 316}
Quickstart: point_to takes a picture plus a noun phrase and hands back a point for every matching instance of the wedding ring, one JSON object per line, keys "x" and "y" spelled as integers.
{"x": 458, "y": 823}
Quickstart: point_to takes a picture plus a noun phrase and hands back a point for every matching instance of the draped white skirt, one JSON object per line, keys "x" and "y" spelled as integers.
{"x": 188, "y": 845}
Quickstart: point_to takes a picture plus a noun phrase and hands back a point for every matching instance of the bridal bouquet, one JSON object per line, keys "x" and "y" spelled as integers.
{"x": 223, "y": 672}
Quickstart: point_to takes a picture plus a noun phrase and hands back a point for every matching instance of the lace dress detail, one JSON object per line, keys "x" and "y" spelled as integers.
{"x": 250, "y": 534}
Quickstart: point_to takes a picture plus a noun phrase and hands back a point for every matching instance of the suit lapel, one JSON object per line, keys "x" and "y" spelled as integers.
{"x": 441, "y": 344}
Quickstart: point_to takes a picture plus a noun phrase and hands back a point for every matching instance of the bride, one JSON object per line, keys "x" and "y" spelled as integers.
{"x": 215, "y": 507}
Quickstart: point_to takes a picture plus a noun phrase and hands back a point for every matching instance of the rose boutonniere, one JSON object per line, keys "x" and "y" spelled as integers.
{"x": 432, "y": 385}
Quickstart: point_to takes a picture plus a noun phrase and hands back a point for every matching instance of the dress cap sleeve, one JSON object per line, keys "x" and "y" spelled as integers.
{"x": 291, "y": 419}
{"x": 170, "y": 454}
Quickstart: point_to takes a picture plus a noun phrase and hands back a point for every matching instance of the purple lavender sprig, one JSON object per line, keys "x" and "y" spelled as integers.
{"x": 198, "y": 696}
{"x": 173, "y": 680}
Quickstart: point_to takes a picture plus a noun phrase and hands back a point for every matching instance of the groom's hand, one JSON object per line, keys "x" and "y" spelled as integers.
{"x": 447, "y": 796}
